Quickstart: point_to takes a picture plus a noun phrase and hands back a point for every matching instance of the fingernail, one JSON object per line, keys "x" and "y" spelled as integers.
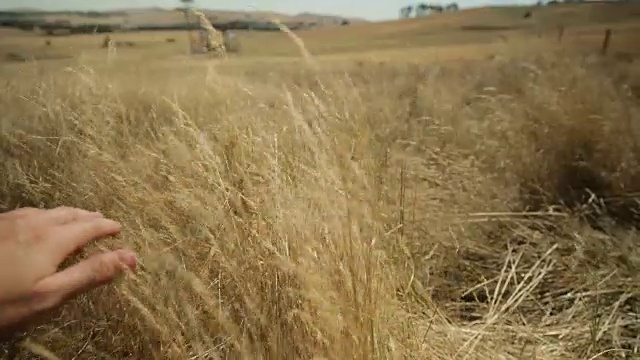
{"x": 112, "y": 225}
{"x": 129, "y": 258}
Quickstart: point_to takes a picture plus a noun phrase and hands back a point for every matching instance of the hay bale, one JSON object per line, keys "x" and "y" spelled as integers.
{"x": 231, "y": 42}
{"x": 107, "y": 42}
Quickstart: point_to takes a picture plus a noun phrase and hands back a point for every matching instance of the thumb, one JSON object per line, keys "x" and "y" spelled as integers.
{"x": 97, "y": 270}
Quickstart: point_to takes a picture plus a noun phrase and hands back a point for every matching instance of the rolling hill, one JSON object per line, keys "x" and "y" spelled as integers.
{"x": 159, "y": 16}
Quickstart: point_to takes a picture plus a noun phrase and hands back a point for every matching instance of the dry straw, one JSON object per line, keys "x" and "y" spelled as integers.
{"x": 296, "y": 39}
{"x": 266, "y": 231}
{"x": 215, "y": 40}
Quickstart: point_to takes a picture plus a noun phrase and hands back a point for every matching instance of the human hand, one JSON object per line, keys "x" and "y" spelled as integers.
{"x": 33, "y": 244}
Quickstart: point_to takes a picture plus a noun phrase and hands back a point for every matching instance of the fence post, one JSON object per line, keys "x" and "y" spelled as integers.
{"x": 560, "y": 32}
{"x": 606, "y": 41}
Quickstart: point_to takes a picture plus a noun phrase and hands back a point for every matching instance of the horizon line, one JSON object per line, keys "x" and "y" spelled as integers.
{"x": 121, "y": 9}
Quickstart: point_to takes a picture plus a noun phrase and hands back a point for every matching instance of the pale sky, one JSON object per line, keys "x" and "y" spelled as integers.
{"x": 368, "y": 9}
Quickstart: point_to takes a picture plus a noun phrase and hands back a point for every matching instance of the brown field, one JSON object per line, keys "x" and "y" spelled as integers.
{"x": 416, "y": 191}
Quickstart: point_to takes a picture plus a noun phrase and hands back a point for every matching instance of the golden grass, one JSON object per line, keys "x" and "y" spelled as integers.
{"x": 358, "y": 209}
{"x": 215, "y": 41}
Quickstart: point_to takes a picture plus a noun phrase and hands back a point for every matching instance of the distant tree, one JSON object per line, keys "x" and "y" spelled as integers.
{"x": 186, "y": 6}
{"x": 403, "y": 12}
{"x": 406, "y": 11}
{"x": 436, "y": 8}
{"x": 422, "y": 9}
{"x": 452, "y": 7}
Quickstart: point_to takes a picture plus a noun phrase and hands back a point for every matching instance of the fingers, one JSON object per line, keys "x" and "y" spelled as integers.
{"x": 20, "y": 213}
{"x": 70, "y": 237}
{"x": 64, "y": 215}
{"x": 93, "y": 272}
{"x": 48, "y": 217}
{"x": 61, "y": 231}
{"x": 51, "y": 292}
{"x": 53, "y": 235}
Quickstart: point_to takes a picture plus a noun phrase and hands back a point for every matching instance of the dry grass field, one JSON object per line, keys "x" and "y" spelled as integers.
{"x": 452, "y": 195}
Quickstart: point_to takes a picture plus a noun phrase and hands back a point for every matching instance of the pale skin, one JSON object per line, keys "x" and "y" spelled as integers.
{"x": 33, "y": 244}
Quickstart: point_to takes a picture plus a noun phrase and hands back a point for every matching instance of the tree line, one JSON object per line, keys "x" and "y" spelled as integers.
{"x": 28, "y": 22}
{"x": 424, "y": 9}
